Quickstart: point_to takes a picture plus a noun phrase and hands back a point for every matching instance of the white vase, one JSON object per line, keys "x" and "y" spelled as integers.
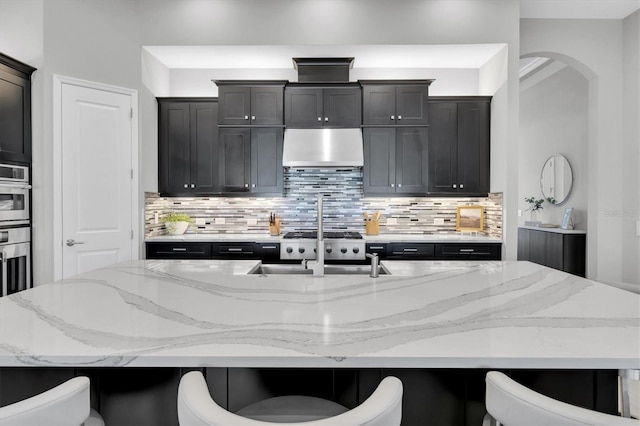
{"x": 534, "y": 219}
{"x": 176, "y": 228}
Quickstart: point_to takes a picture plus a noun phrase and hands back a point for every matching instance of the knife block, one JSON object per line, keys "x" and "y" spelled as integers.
{"x": 274, "y": 228}
{"x": 371, "y": 227}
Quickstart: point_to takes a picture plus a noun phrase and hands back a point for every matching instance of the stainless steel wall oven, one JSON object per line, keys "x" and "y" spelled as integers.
{"x": 15, "y": 229}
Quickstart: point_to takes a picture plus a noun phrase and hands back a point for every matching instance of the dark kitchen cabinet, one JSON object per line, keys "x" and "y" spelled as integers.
{"x": 15, "y": 110}
{"x": 389, "y": 103}
{"x": 459, "y": 146}
{"x": 556, "y": 249}
{"x": 250, "y": 159}
{"x": 395, "y": 160}
{"x": 468, "y": 251}
{"x": 178, "y": 250}
{"x": 244, "y": 103}
{"x": 314, "y": 107}
{"x": 187, "y": 146}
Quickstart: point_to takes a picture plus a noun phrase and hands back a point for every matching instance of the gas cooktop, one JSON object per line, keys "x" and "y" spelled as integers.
{"x": 334, "y": 235}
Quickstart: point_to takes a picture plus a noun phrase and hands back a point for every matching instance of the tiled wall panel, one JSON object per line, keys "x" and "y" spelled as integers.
{"x": 343, "y": 209}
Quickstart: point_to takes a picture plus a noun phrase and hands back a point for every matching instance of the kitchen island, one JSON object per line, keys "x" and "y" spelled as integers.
{"x": 423, "y": 315}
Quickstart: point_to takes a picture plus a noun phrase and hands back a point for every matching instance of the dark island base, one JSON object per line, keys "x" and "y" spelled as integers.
{"x": 147, "y": 396}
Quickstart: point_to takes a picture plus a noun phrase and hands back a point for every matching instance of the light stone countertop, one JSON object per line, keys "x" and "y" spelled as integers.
{"x": 381, "y": 238}
{"x": 433, "y": 314}
{"x": 557, "y": 230}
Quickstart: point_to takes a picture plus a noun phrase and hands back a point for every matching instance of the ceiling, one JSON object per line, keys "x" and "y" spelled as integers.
{"x": 385, "y": 56}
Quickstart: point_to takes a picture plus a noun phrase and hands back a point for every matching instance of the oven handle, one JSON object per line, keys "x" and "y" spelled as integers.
{"x": 3, "y": 263}
{"x": 15, "y": 185}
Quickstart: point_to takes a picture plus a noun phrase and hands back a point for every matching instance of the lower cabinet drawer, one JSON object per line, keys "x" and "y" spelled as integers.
{"x": 268, "y": 252}
{"x": 468, "y": 251}
{"x": 233, "y": 250}
{"x": 178, "y": 250}
{"x": 409, "y": 251}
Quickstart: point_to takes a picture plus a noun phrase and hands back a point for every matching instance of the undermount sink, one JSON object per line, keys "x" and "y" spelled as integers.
{"x": 297, "y": 269}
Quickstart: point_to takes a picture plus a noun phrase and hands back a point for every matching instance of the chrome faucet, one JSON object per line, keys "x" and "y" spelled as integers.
{"x": 318, "y": 265}
{"x": 375, "y": 264}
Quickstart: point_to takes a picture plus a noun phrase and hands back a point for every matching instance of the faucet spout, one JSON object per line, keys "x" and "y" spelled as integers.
{"x": 318, "y": 266}
{"x": 375, "y": 264}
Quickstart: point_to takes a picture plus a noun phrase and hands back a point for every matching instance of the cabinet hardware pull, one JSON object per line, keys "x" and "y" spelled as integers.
{"x": 253, "y": 185}
{"x": 326, "y": 119}
{"x": 376, "y": 248}
{"x": 466, "y": 250}
{"x": 193, "y": 185}
{"x": 186, "y": 185}
{"x": 399, "y": 117}
{"x": 253, "y": 117}
{"x": 178, "y": 249}
{"x": 246, "y": 185}
{"x": 461, "y": 186}
{"x": 410, "y": 249}
{"x": 393, "y": 185}
{"x": 234, "y": 249}
{"x": 319, "y": 118}
{"x": 399, "y": 185}
{"x": 455, "y": 186}
{"x": 246, "y": 117}
{"x": 393, "y": 117}
{"x": 269, "y": 247}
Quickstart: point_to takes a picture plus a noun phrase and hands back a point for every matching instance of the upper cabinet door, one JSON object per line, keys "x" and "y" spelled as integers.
{"x": 234, "y": 159}
{"x": 235, "y": 105}
{"x": 204, "y": 147}
{"x": 379, "y": 172}
{"x": 266, "y": 105}
{"x": 15, "y": 117}
{"x": 379, "y": 105}
{"x": 342, "y": 107}
{"x": 443, "y": 147}
{"x": 303, "y": 107}
{"x": 411, "y": 160}
{"x": 173, "y": 148}
{"x": 266, "y": 160}
{"x": 473, "y": 147}
{"x": 412, "y": 105}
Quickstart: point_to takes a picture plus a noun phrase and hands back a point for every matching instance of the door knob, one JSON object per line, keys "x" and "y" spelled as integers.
{"x": 72, "y": 242}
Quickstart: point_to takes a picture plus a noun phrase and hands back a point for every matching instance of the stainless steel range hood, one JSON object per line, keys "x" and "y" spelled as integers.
{"x": 323, "y": 148}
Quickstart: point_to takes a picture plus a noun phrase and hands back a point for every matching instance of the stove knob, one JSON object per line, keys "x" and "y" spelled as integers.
{"x": 301, "y": 250}
{"x": 343, "y": 250}
{"x": 356, "y": 250}
{"x": 328, "y": 249}
{"x": 289, "y": 250}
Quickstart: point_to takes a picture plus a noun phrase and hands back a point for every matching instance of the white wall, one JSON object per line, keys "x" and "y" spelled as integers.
{"x": 554, "y": 120}
{"x": 594, "y": 47}
{"x": 631, "y": 149}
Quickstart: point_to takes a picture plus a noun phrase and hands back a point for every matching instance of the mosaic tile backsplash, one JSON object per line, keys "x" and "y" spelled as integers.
{"x": 343, "y": 208}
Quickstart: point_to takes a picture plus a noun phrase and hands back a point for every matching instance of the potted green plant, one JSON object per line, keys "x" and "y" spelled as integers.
{"x": 535, "y": 207}
{"x": 176, "y": 223}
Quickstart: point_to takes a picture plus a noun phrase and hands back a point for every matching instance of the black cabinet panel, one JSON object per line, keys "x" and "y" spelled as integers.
{"x": 187, "y": 146}
{"x": 459, "y": 153}
{"x": 472, "y": 251}
{"x": 411, "y": 251}
{"x": 15, "y": 111}
{"x": 411, "y": 160}
{"x": 178, "y": 250}
{"x": 234, "y": 159}
{"x": 566, "y": 252}
{"x": 313, "y": 107}
{"x": 379, "y": 174}
{"x": 395, "y": 104}
{"x": 266, "y": 160}
{"x": 395, "y": 160}
{"x": 250, "y": 103}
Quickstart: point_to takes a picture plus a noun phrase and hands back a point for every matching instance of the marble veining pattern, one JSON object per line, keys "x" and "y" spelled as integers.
{"x": 425, "y": 314}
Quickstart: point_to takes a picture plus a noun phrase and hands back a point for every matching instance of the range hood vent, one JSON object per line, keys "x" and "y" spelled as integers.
{"x": 323, "y": 70}
{"x": 328, "y": 148}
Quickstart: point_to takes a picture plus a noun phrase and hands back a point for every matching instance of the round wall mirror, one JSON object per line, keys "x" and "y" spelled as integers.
{"x": 556, "y": 178}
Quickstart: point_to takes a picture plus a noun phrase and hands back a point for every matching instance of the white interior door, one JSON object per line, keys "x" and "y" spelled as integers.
{"x": 96, "y": 132}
